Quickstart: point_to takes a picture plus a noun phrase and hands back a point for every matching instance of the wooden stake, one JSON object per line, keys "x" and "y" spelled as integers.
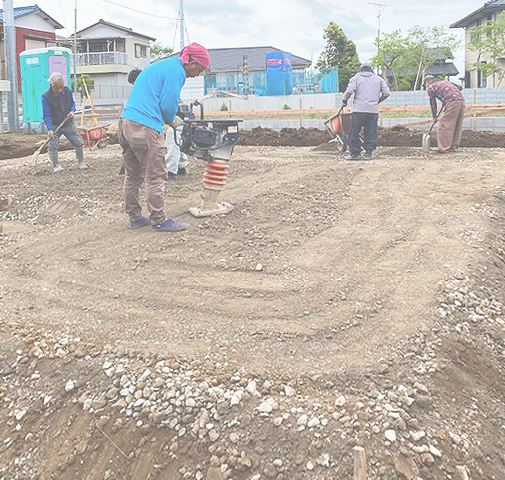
{"x": 95, "y": 121}
{"x": 82, "y": 110}
{"x": 359, "y": 463}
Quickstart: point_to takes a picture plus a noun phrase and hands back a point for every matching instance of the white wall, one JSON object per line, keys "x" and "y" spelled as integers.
{"x": 193, "y": 89}
{"x": 102, "y": 31}
{"x": 35, "y": 22}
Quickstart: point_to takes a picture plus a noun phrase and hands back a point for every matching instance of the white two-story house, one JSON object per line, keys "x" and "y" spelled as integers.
{"x": 108, "y": 52}
{"x": 487, "y": 13}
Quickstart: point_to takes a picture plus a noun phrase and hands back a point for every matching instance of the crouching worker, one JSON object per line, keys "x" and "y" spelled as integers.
{"x": 58, "y": 108}
{"x": 177, "y": 161}
{"x": 152, "y": 103}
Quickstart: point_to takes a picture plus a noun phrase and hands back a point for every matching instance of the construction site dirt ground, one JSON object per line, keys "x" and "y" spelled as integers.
{"x": 339, "y": 304}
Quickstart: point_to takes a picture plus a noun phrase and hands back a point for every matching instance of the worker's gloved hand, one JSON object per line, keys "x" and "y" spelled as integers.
{"x": 344, "y": 103}
{"x": 50, "y": 134}
{"x": 165, "y": 128}
{"x": 178, "y": 122}
{"x": 71, "y": 115}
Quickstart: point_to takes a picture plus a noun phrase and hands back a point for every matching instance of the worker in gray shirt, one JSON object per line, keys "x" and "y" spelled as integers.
{"x": 369, "y": 90}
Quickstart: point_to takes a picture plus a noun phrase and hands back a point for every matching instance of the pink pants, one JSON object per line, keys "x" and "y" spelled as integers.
{"x": 144, "y": 158}
{"x": 450, "y": 126}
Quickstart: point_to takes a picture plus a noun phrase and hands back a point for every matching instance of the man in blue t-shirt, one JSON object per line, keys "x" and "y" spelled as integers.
{"x": 58, "y": 107}
{"x": 153, "y": 103}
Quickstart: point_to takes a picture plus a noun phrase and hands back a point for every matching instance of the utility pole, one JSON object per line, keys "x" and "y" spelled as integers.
{"x": 379, "y": 7}
{"x": 75, "y": 48}
{"x": 181, "y": 22}
{"x": 11, "y": 65}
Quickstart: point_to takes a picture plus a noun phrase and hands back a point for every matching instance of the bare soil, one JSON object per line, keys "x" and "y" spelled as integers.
{"x": 381, "y": 281}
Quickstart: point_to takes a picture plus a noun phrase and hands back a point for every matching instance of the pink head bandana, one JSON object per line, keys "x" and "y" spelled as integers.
{"x": 197, "y": 53}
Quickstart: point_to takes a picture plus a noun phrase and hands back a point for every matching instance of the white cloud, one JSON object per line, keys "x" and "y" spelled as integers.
{"x": 293, "y": 25}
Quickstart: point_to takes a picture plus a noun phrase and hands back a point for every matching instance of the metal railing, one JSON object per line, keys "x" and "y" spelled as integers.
{"x": 102, "y": 58}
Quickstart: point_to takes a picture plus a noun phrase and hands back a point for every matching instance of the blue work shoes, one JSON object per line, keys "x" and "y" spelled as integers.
{"x": 169, "y": 226}
{"x": 141, "y": 222}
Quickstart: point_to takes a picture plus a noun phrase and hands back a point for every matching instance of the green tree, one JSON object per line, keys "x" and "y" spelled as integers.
{"x": 159, "y": 51}
{"x": 489, "y": 41}
{"x": 82, "y": 80}
{"x": 407, "y": 57}
{"x": 339, "y": 52}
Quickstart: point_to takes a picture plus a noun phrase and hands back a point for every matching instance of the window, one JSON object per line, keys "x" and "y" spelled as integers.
{"x": 473, "y": 26}
{"x": 468, "y": 83}
{"x": 140, "y": 51}
{"x": 481, "y": 78}
{"x": 98, "y": 47}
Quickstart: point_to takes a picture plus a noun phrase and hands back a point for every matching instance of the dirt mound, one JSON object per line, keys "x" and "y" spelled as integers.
{"x": 403, "y": 137}
{"x": 292, "y": 137}
{"x": 20, "y": 145}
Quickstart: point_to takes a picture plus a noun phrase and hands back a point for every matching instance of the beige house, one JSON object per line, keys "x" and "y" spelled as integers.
{"x": 107, "y": 52}
{"x": 487, "y": 13}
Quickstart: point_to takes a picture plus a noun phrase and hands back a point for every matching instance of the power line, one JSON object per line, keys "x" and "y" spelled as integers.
{"x": 138, "y": 11}
{"x": 63, "y": 13}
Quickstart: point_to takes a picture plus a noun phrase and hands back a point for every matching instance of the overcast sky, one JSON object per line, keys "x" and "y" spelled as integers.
{"x": 295, "y": 26}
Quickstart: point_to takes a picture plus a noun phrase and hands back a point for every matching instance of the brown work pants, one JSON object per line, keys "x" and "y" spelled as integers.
{"x": 144, "y": 159}
{"x": 450, "y": 126}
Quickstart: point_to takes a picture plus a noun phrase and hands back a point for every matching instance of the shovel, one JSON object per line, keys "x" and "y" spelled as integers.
{"x": 426, "y": 143}
{"x": 427, "y": 137}
{"x": 35, "y": 156}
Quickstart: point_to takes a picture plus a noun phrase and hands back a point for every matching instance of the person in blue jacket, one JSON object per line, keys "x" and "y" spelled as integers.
{"x": 153, "y": 103}
{"x": 58, "y": 104}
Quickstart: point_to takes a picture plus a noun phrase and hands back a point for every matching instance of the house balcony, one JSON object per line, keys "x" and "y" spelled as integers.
{"x": 101, "y": 58}
{"x": 102, "y": 62}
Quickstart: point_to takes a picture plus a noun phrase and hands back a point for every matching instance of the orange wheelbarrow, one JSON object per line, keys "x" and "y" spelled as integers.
{"x": 94, "y": 137}
{"x": 338, "y": 127}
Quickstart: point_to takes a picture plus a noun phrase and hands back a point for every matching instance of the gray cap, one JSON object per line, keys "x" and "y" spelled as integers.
{"x": 365, "y": 66}
{"x": 429, "y": 78}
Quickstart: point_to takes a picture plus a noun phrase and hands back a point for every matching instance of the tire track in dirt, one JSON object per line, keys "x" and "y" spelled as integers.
{"x": 351, "y": 254}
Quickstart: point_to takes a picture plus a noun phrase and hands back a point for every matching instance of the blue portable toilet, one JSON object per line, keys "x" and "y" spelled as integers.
{"x": 36, "y": 67}
{"x": 279, "y": 73}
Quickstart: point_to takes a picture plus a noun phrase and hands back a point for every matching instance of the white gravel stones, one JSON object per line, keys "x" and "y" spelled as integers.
{"x": 69, "y": 386}
{"x": 313, "y": 422}
{"x": 20, "y": 414}
{"x": 435, "y": 451}
{"x": 289, "y": 391}
{"x": 416, "y": 436}
{"x": 420, "y": 448}
{"x": 303, "y": 419}
{"x": 144, "y": 376}
{"x": 236, "y": 398}
{"x": 390, "y": 435}
{"x": 420, "y": 387}
{"x": 277, "y": 421}
{"x": 267, "y": 406}
{"x": 252, "y": 388}
{"x": 340, "y": 401}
